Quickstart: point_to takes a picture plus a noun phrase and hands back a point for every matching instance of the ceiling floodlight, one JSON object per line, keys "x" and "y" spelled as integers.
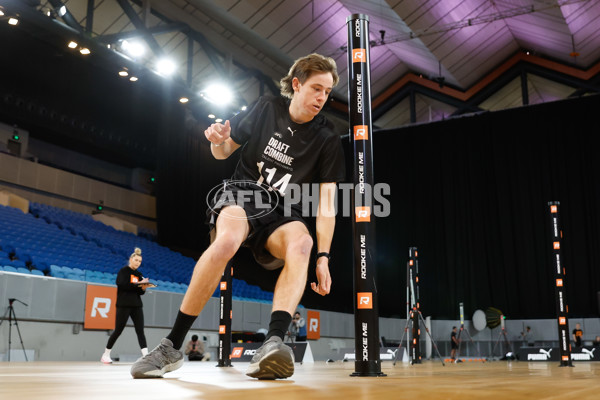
{"x": 1, "y": 13}
{"x": 244, "y": 108}
{"x": 13, "y": 21}
{"x": 62, "y": 11}
{"x": 133, "y": 79}
{"x": 218, "y": 94}
{"x": 219, "y": 120}
{"x": 72, "y": 44}
{"x": 135, "y": 49}
{"x": 184, "y": 100}
{"x": 85, "y": 51}
{"x": 123, "y": 73}
{"x": 165, "y": 67}
{"x": 212, "y": 116}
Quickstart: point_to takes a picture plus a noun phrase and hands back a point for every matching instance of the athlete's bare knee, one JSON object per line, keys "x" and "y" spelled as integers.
{"x": 224, "y": 248}
{"x": 300, "y": 246}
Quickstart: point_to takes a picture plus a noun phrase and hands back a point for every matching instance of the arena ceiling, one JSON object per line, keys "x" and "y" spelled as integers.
{"x": 430, "y": 59}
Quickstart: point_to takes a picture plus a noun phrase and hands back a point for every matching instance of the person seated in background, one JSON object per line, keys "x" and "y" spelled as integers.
{"x": 195, "y": 350}
{"x": 596, "y": 342}
{"x": 298, "y": 327}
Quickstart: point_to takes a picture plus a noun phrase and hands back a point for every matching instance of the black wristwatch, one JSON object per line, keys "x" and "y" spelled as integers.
{"x": 324, "y": 254}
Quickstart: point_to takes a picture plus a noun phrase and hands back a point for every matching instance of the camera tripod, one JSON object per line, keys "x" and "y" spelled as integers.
{"x": 10, "y": 311}
{"x": 408, "y": 320}
{"x": 502, "y": 335}
{"x": 466, "y": 332}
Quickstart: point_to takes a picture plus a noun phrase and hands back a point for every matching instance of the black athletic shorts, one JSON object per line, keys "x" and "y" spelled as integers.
{"x": 265, "y": 211}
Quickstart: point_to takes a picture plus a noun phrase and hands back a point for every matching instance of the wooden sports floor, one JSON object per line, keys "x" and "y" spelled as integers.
{"x": 202, "y": 380}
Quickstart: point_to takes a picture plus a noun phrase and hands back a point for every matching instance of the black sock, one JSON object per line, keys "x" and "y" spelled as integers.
{"x": 183, "y": 323}
{"x": 279, "y": 325}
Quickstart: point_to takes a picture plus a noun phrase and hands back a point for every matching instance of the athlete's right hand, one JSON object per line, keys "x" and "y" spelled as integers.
{"x": 218, "y": 133}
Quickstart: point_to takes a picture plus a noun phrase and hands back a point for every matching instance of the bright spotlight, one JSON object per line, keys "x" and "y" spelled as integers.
{"x": 183, "y": 100}
{"x": 123, "y": 73}
{"x": 1, "y": 13}
{"x": 165, "y": 67}
{"x": 62, "y": 11}
{"x": 85, "y": 51}
{"x": 133, "y": 79}
{"x": 135, "y": 49}
{"x": 218, "y": 94}
{"x": 13, "y": 21}
{"x": 72, "y": 44}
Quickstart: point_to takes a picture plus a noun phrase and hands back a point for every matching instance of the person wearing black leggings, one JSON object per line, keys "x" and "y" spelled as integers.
{"x": 130, "y": 286}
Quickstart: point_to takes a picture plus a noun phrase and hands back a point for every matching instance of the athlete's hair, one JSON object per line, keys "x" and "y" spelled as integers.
{"x": 304, "y": 67}
{"x": 136, "y": 252}
{"x": 194, "y": 337}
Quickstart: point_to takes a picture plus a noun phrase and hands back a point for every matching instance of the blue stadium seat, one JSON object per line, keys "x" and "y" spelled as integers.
{"x": 59, "y": 271}
{"x": 17, "y": 263}
{"x": 37, "y": 272}
{"x": 9, "y": 268}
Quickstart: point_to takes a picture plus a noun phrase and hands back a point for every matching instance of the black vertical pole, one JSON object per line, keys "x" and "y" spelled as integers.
{"x": 413, "y": 267}
{"x": 366, "y": 314}
{"x": 562, "y": 309}
{"x": 225, "y": 315}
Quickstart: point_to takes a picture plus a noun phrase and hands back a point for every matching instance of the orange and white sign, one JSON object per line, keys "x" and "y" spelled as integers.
{"x": 359, "y": 55}
{"x": 364, "y": 300}
{"x": 562, "y": 321}
{"x": 237, "y": 352}
{"x": 222, "y": 329}
{"x": 559, "y": 282}
{"x": 223, "y": 286}
{"x": 361, "y": 132}
{"x": 556, "y": 245}
{"x": 363, "y": 214}
{"x": 553, "y": 209}
{"x": 313, "y": 320}
{"x": 100, "y": 307}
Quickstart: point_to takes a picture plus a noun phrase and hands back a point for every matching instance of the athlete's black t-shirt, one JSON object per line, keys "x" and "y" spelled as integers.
{"x": 276, "y": 151}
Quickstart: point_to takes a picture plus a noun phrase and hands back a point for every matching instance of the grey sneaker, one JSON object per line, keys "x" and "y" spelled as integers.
{"x": 164, "y": 358}
{"x": 273, "y": 360}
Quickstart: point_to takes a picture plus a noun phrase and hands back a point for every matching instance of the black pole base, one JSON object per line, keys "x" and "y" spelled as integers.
{"x": 367, "y": 374}
{"x": 367, "y": 368}
{"x": 566, "y": 365}
{"x": 224, "y": 365}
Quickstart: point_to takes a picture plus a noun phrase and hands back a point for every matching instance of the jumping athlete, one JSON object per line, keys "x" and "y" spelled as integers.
{"x": 284, "y": 143}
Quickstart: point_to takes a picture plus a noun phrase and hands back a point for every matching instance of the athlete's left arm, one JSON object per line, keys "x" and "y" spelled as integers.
{"x": 325, "y": 228}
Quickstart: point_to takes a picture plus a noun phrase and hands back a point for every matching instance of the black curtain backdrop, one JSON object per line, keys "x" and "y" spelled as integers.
{"x": 470, "y": 193}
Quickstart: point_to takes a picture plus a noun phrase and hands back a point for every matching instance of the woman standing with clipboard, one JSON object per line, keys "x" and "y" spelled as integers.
{"x": 130, "y": 286}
